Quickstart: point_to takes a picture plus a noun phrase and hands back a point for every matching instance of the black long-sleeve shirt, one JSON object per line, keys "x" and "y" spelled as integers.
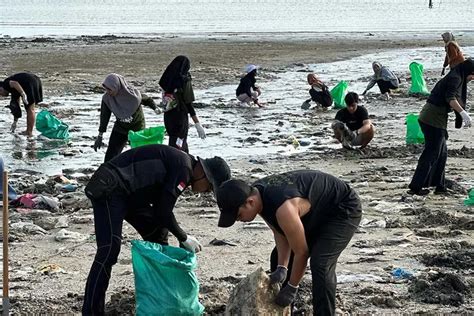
{"x": 155, "y": 175}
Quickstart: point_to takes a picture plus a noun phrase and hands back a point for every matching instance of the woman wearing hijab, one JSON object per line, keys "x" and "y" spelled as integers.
{"x": 246, "y": 91}
{"x": 384, "y": 78}
{"x": 28, "y": 87}
{"x": 448, "y": 94}
{"x": 124, "y": 101}
{"x": 178, "y": 97}
{"x": 319, "y": 93}
{"x": 454, "y": 55}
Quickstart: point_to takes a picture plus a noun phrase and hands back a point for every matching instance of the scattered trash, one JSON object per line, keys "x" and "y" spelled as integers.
{"x": 69, "y": 236}
{"x": 69, "y": 187}
{"x": 373, "y": 223}
{"x": 50, "y": 268}
{"x": 221, "y": 242}
{"x": 400, "y": 273}
{"x": 28, "y": 228}
{"x": 364, "y": 277}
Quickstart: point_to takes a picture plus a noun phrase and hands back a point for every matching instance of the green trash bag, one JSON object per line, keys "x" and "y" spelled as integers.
{"x": 470, "y": 200}
{"x": 50, "y": 126}
{"x": 165, "y": 282}
{"x": 147, "y": 136}
{"x": 418, "y": 84}
{"x": 338, "y": 93}
{"x": 414, "y": 133}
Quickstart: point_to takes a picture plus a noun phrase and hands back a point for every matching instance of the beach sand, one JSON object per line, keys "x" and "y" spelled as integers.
{"x": 428, "y": 236}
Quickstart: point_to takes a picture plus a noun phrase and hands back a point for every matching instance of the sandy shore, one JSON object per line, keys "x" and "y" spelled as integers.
{"x": 430, "y": 237}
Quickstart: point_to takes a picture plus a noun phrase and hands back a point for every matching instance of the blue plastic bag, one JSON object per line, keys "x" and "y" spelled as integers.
{"x": 165, "y": 282}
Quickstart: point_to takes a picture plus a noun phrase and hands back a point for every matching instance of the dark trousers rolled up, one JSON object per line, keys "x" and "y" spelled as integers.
{"x": 329, "y": 241}
{"x": 432, "y": 162}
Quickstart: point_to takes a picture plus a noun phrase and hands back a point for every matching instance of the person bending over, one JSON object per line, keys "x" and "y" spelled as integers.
{"x": 312, "y": 215}
{"x": 141, "y": 186}
{"x": 384, "y": 78}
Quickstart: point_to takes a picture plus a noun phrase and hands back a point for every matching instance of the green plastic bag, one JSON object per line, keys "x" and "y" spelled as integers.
{"x": 418, "y": 84}
{"x": 338, "y": 93}
{"x": 165, "y": 282}
{"x": 470, "y": 200}
{"x": 147, "y": 136}
{"x": 414, "y": 133}
{"x": 50, "y": 126}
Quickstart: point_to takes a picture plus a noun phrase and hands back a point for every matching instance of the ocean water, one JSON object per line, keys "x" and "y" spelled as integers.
{"x": 200, "y": 17}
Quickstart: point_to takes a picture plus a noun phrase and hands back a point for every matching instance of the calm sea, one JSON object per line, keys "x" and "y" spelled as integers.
{"x": 201, "y": 17}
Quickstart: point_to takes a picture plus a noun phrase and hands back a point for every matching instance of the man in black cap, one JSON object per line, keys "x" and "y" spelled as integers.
{"x": 312, "y": 215}
{"x": 141, "y": 186}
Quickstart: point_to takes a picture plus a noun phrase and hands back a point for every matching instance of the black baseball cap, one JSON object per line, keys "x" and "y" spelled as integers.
{"x": 230, "y": 196}
{"x": 216, "y": 170}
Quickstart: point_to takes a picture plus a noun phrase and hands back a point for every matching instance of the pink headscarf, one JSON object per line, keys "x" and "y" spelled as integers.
{"x": 127, "y": 99}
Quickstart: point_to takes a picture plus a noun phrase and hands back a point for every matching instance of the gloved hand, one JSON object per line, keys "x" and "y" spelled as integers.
{"x": 306, "y": 105}
{"x": 279, "y": 275}
{"x": 24, "y": 99}
{"x": 200, "y": 130}
{"x": 466, "y": 118}
{"x": 98, "y": 142}
{"x": 287, "y": 295}
{"x": 13, "y": 126}
{"x": 157, "y": 110}
{"x": 192, "y": 244}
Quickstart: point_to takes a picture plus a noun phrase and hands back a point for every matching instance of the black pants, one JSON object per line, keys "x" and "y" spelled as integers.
{"x": 432, "y": 162}
{"x": 177, "y": 125}
{"x": 331, "y": 239}
{"x": 385, "y": 86}
{"x": 117, "y": 142}
{"x": 109, "y": 214}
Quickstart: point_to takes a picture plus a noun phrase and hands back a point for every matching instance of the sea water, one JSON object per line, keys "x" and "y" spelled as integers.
{"x": 197, "y": 17}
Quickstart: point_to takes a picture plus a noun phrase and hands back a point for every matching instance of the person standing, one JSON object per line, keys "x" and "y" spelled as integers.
{"x": 312, "y": 215}
{"x": 454, "y": 55}
{"x": 384, "y": 78}
{"x": 449, "y": 93}
{"x": 27, "y": 87}
{"x": 124, "y": 100}
{"x": 352, "y": 125}
{"x": 178, "y": 97}
{"x": 246, "y": 91}
{"x": 141, "y": 186}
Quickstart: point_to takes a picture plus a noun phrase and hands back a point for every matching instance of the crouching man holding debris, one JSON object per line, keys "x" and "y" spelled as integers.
{"x": 141, "y": 186}
{"x": 312, "y": 215}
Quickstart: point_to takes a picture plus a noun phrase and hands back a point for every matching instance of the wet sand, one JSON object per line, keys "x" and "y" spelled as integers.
{"x": 428, "y": 236}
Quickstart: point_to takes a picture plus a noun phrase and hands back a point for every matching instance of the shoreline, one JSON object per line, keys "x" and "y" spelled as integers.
{"x": 74, "y": 65}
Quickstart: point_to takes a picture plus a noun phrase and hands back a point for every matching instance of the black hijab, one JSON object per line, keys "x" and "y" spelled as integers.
{"x": 176, "y": 74}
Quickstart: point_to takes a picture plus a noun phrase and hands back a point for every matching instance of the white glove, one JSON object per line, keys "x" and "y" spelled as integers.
{"x": 200, "y": 130}
{"x": 24, "y": 99}
{"x": 157, "y": 110}
{"x": 13, "y": 127}
{"x": 192, "y": 244}
{"x": 466, "y": 118}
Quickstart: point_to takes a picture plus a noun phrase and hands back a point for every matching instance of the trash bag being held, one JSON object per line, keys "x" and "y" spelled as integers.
{"x": 165, "y": 281}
